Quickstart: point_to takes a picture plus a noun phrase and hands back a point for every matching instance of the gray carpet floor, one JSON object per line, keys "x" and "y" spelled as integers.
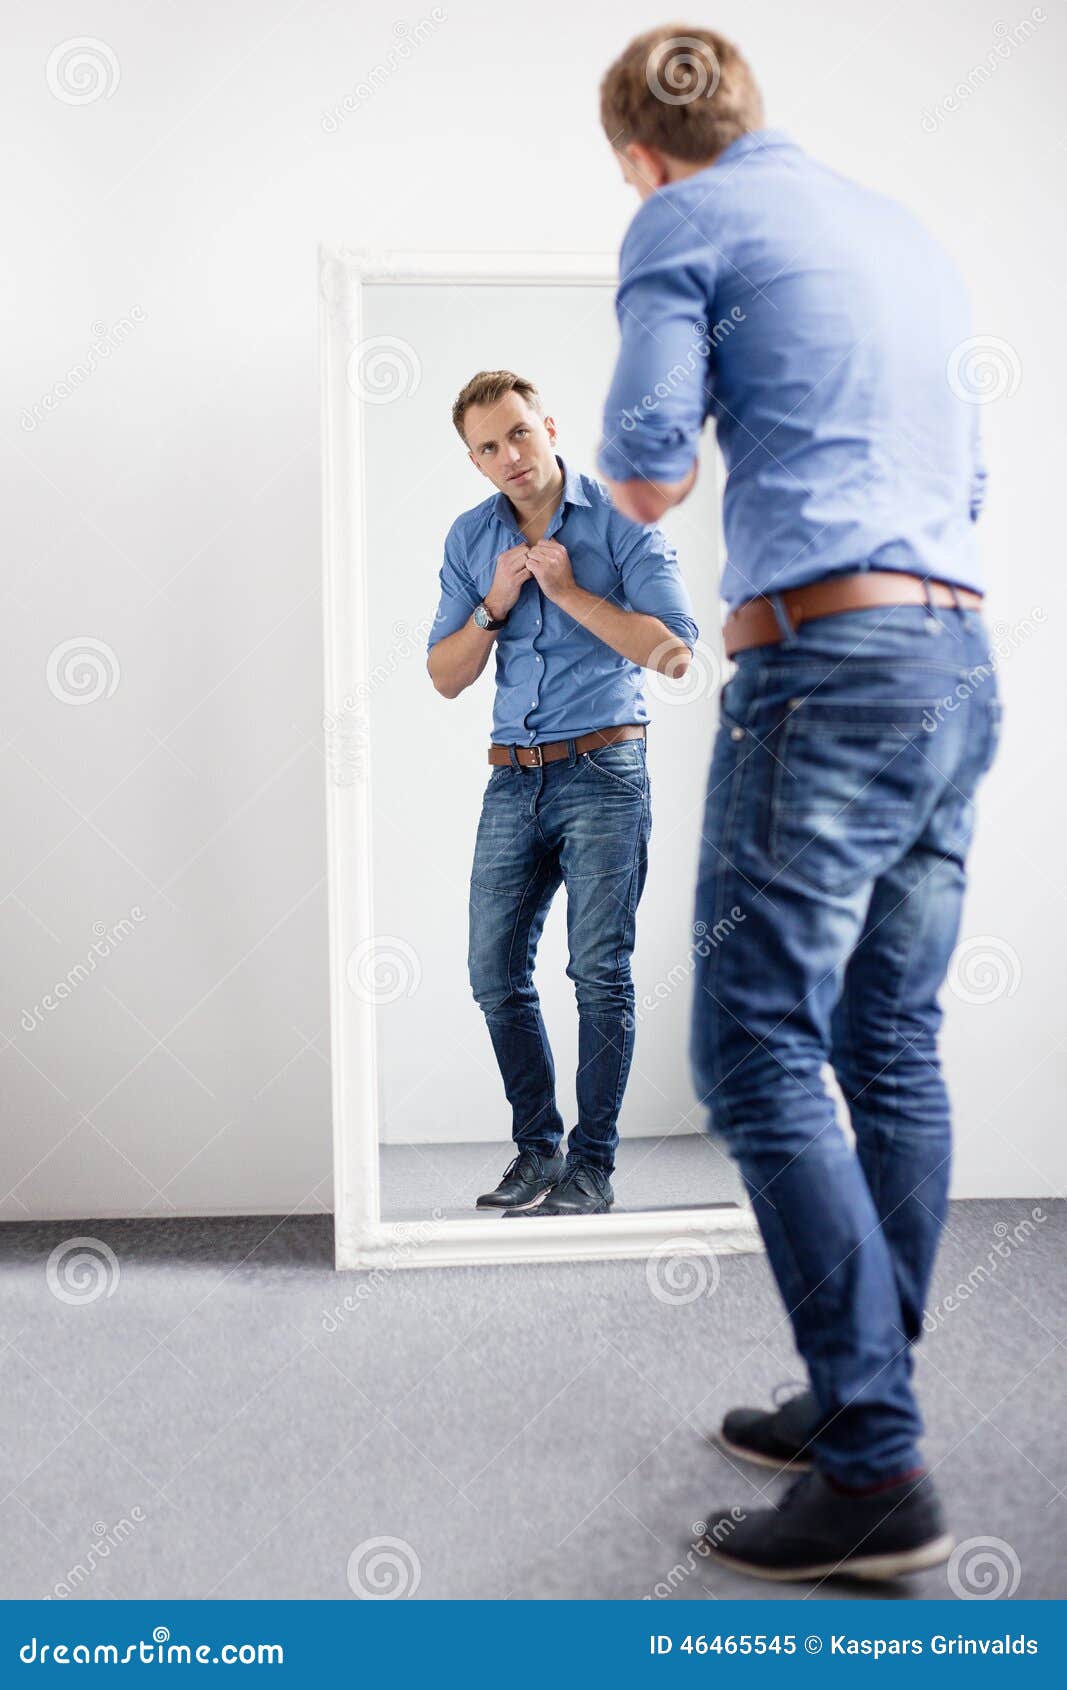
{"x": 219, "y": 1414}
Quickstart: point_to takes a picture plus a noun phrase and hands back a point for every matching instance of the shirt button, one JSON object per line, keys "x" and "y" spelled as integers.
{"x": 737, "y": 733}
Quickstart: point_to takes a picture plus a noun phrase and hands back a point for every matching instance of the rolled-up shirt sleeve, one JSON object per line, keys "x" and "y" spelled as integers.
{"x": 659, "y": 394}
{"x": 651, "y": 579}
{"x": 458, "y": 593}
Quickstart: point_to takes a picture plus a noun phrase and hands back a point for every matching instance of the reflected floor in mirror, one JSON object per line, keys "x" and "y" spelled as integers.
{"x": 684, "y": 1172}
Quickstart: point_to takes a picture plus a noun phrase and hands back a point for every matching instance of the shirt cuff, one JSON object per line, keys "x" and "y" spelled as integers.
{"x": 636, "y": 453}
{"x": 682, "y": 626}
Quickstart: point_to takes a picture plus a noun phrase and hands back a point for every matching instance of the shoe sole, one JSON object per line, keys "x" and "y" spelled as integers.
{"x": 794, "y": 1464}
{"x": 566, "y": 1214}
{"x": 873, "y": 1568}
{"x": 514, "y": 1208}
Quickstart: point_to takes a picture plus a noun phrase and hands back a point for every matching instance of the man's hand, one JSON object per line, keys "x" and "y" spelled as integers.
{"x": 510, "y": 578}
{"x": 550, "y": 566}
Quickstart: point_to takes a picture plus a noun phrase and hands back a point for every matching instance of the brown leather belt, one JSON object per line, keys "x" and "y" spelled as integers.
{"x": 533, "y": 756}
{"x": 754, "y": 622}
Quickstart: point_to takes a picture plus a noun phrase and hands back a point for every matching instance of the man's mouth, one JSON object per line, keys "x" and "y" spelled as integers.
{"x": 519, "y": 475}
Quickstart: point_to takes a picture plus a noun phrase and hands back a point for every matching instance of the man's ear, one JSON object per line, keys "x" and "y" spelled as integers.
{"x": 647, "y": 164}
{"x": 550, "y": 428}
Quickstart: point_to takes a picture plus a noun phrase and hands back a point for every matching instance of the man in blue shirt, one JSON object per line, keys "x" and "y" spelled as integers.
{"x": 826, "y": 333}
{"x": 577, "y": 599}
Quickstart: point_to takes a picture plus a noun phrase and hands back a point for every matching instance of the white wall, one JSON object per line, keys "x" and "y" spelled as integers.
{"x": 168, "y": 509}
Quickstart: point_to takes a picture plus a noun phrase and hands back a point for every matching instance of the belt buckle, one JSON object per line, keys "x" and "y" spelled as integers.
{"x": 538, "y": 758}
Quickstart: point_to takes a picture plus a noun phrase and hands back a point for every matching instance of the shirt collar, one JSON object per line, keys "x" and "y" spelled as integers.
{"x": 573, "y": 494}
{"x": 755, "y": 140}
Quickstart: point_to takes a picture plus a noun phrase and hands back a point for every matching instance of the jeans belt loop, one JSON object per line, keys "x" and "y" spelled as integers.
{"x": 572, "y": 752}
{"x": 789, "y": 633}
{"x": 512, "y": 759}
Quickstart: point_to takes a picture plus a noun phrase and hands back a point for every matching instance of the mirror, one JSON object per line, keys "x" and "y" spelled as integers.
{"x": 402, "y": 338}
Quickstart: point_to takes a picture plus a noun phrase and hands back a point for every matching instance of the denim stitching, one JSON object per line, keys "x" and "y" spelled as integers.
{"x": 729, "y": 821}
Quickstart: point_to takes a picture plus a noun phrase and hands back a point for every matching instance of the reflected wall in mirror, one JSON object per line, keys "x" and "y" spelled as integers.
{"x": 415, "y": 1055}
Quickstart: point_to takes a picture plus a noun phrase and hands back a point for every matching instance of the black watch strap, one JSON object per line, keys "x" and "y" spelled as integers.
{"x": 486, "y": 620}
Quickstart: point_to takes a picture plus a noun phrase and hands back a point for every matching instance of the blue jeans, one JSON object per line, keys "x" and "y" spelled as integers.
{"x": 583, "y": 822}
{"x": 838, "y": 816}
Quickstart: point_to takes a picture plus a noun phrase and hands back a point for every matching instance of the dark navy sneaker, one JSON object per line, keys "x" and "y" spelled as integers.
{"x": 776, "y": 1437}
{"x": 816, "y": 1531}
{"x": 526, "y": 1180}
{"x": 580, "y": 1190}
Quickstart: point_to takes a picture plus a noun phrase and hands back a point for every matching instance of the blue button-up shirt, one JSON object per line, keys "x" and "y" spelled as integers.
{"x": 821, "y": 326}
{"x": 555, "y": 679}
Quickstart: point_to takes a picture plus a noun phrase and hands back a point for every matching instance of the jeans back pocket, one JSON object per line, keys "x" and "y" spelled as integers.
{"x": 847, "y": 785}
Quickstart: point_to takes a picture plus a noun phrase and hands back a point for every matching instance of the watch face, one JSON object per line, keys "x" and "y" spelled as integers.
{"x": 481, "y": 616}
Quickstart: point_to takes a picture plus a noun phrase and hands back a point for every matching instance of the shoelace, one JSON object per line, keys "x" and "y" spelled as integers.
{"x": 573, "y": 1171}
{"x": 514, "y": 1167}
{"x": 568, "y": 1176}
{"x": 576, "y": 1173}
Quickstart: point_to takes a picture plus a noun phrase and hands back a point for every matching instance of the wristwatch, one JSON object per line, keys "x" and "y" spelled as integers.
{"x": 484, "y": 620}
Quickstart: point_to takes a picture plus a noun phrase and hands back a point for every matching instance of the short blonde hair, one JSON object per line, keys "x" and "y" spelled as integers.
{"x": 685, "y": 90}
{"x": 487, "y": 387}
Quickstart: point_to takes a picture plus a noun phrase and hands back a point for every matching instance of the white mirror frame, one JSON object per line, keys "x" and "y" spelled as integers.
{"x": 362, "y": 1238}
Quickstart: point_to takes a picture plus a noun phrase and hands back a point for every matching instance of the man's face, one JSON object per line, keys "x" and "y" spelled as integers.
{"x": 512, "y": 445}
